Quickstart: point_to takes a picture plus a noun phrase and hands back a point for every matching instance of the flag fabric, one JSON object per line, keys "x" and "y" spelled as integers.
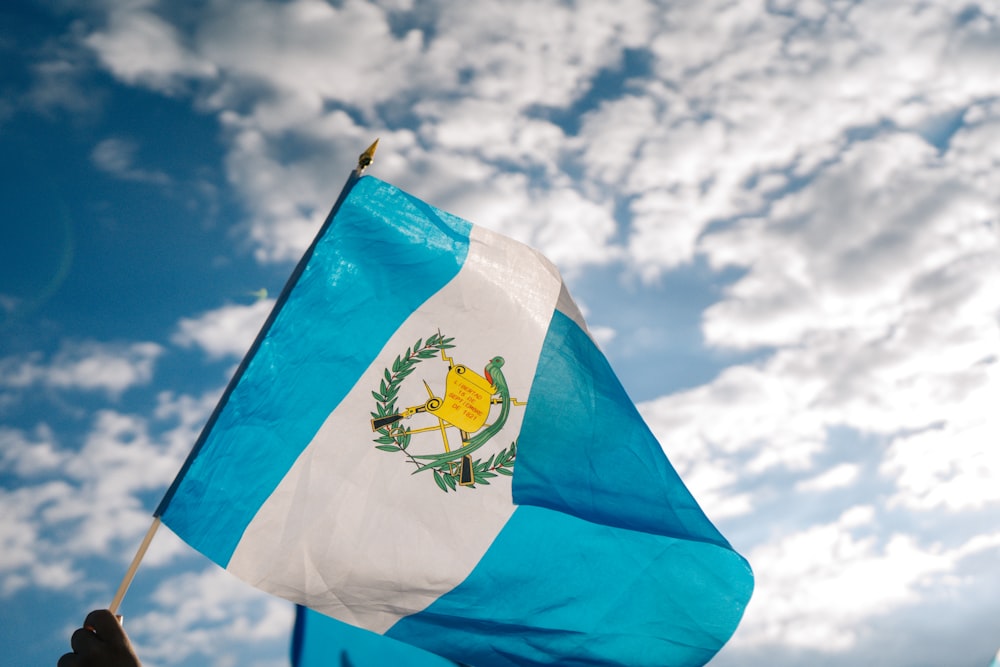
{"x": 424, "y": 441}
{"x": 321, "y": 641}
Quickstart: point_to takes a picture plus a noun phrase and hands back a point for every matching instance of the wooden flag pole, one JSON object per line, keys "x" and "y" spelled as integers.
{"x": 130, "y": 573}
{"x": 364, "y": 160}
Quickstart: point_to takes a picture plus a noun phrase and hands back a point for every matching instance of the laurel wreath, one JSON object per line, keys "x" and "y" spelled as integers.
{"x": 396, "y": 438}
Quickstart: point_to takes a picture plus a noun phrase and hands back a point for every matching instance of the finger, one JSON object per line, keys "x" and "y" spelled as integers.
{"x": 70, "y": 660}
{"x": 106, "y": 626}
{"x": 85, "y": 643}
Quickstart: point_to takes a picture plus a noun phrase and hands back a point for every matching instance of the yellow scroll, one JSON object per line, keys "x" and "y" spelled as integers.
{"x": 466, "y": 400}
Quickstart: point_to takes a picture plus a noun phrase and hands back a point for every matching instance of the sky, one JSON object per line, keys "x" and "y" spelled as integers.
{"x": 779, "y": 217}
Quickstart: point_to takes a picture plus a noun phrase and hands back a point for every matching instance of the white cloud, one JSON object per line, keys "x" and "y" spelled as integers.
{"x": 877, "y": 286}
{"x": 610, "y": 136}
{"x": 750, "y": 409}
{"x": 95, "y": 508}
{"x": 84, "y": 366}
{"x": 836, "y": 477}
{"x": 289, "y": 201}
{"x": 725, "y": 436}
{"x": 728, "y": 117}
{"x": 565, "y": 226}
{"x": 226, "y": 331}
{"x": 138, "y": 46}
{"x": 120, "y": 456}
{"x": 603, "y": 335}
{"x": 545, "y": 53}
{"x": 29, "y": 455}
{"x": 58, "y": 84}
{"x": 300, "y": 63}
{"x": 117, "y": 157}
{"x": 27, "y": 558}
{"x": 209, "y": 609}
{"x": 819, "y": 588}
{"x": 745, "y": 103}
{"x": 879, "y": 236}
{"x": 308, "y": 52}
{"x": 952, "y": 467}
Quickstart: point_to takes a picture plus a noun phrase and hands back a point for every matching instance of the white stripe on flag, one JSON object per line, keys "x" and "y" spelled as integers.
{"x": 394, "y": 555}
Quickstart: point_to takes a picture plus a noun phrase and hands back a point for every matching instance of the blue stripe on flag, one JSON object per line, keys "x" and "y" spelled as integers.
{"x": 557, "y": 590}
{"x": 585, "y": 450}
{"x": 305, "y": 364}
{"x": 321, "y": 641}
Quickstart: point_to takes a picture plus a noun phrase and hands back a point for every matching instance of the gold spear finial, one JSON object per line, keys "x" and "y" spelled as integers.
{"x": 367, "y": 157}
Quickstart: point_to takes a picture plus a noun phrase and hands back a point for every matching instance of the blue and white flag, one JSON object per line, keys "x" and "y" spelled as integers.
{"x": 425, "y": 441}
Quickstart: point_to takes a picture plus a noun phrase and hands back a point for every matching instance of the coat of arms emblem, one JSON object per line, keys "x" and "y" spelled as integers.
{"x": 458, "y": 413}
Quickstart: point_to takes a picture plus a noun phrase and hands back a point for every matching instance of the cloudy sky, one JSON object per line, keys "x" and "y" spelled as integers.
{"x": 780, "y": 217}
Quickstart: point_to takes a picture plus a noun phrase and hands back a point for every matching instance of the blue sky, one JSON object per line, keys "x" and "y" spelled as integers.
{"x": 780, "y": 219}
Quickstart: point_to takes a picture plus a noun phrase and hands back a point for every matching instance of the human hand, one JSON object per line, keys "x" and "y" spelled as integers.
{"x": 101, "y": 642}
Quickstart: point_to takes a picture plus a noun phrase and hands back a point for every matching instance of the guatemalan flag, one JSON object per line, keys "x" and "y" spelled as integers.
{"x": 424, "y": 441}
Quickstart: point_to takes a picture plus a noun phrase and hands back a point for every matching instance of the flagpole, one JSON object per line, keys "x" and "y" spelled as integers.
{"x": 130, "y": 572}
{"x": 364, "y": 161}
